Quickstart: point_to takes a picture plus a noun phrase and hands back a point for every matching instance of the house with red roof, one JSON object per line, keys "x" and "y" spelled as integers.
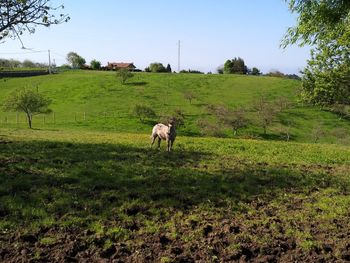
{"x": 120, "y": 65}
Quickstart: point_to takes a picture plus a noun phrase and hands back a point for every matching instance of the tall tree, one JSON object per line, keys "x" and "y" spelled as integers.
{"x": 235, "y": 66}
{"x": 255, "y": 71}
{"x": 325, "y": 25}
{"x": 29, "y": 102}
{"x": 75, "y": 60}
{"x": 95, "y": 64}
{"x": 228, "y": 67}
{"x": 18, "y": 16}
{"x": 157, "y": 67}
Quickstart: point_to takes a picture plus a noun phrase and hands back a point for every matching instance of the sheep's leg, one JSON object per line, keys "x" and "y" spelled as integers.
{"x": 171, "y": 144}
{"x": 168, "y": 145}
{"x": 159, "y": 139}
{"x": 152, "y": 142}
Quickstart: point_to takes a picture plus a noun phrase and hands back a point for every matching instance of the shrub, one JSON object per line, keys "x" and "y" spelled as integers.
{"x": 233, "y": 119}
{"x": 209, "y": 129}
{"x": 143, "y": 112}
{"x": 178, "y": 117}
{"x": 317, "y": 133}
{"x": 124, "y": 75}
{"x": 189, "y": 95}
{"x": 266, "y": 112}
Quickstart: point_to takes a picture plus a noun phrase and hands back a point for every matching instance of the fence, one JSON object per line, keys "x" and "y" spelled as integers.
{"x": 58, "y": 118}
{"x": 24, "y": 73}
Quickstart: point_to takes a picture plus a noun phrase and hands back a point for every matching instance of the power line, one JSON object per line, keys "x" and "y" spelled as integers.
{"x": 58, "y": 54}
{"x": 23, "y": 53}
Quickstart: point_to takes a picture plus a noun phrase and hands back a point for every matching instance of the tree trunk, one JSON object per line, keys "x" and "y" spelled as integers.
{"x": 30, "y": 118}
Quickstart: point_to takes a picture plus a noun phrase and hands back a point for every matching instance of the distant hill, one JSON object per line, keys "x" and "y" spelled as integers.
{"x": 91, "y": 100}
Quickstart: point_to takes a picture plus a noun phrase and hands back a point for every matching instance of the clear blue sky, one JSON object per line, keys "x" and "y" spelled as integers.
{"x": 142, "y": 32}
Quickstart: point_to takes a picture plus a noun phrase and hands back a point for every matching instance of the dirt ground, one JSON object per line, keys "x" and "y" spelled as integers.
{"x": 229, "y": 240}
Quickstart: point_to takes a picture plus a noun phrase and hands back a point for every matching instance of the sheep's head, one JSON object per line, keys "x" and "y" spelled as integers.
{"x": 171, "y": 127}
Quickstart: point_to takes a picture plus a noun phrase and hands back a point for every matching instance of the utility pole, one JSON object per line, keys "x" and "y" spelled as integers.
{"x": 178, "y": 57}
{"x": 49, "y": 62}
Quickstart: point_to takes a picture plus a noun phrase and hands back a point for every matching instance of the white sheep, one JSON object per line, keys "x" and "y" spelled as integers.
{"x": 164, "y": 132}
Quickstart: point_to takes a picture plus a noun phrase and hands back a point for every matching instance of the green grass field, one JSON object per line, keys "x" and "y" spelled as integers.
{"x": 231, "y": 199}
{"x": 89, "y": 100}
{"x": 94, "y": 190}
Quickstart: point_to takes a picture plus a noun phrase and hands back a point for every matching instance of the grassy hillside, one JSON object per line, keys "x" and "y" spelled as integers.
{"x": 73, "y": 195}
{"x": 90, "y": 100}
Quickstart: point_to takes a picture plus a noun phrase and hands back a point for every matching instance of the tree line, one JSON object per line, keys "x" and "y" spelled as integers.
{"x": 13, "y": 63}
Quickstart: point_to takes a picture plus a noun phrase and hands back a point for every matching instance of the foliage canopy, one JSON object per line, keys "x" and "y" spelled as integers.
{"x": 20, "y": 16}
{"x": 29, "y": 102}
{"x": 124, "y": 74}
{"x": 75, "y": 60}
{"x": 325, "y": 25}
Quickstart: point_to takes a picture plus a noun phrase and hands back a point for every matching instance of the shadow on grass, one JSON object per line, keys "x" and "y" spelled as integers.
{"x": 290, "y": 115}
{"x": 43, "y": 180}
{"x": 270, "y": 136}
{"x": 340, "y": 115}
{"x": 136, "y": 83}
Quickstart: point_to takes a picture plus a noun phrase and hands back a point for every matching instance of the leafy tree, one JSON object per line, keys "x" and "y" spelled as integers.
{"x": 317, "y": 132}
{"x": 143, "y": 112}
{"x": 210, "y": 129}
{"x": 322, "y": 85}
{"x": 266, "y": 112}
{"x": 235, "y": 66}
{"x": 94, "y": 64}
{"x": 236, "y": 119}
{"x": 275, "y": 73}
{"x": 228, "y": 67}
{"x": 157, "y": 67}
{"x": 75, "y": 60}
{"x": 193, "y": 71}
{"x": 256, "y": 71}
{"x": 28, "y": 64}
{"x": 325, "y": 25}
{"x": 20, "y": 16}
{"x": 124, "y": 74}
{"x": 220, "y": 70}
{"x": 9, "y": 63}
{"x": 233, "y": 119}
{"x": 282, "y": 103}
{"x": 189, "y": 95}
{"x": 29, "y": 102}
{"x": 168, "y": 68}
